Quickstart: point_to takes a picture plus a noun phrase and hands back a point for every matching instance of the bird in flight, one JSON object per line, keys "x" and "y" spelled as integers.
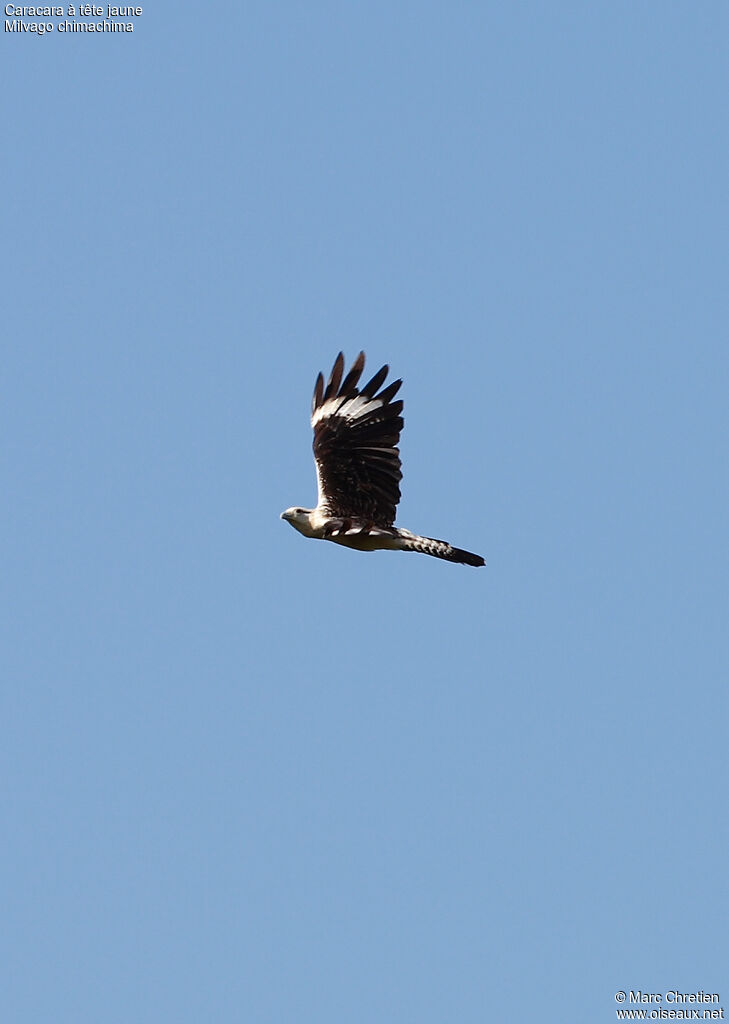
{"x": 356, "y": 434}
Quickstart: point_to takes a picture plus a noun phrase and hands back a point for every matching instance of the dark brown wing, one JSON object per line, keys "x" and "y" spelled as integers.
{"x": 356, "y": 434}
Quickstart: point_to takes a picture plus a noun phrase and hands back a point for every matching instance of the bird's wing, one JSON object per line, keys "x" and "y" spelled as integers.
{"x": 356, "y": 433}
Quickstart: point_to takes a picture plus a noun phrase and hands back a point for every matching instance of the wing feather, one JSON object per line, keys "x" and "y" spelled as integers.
{"x": 390, "y": 391}
{"x": 352, "y": 378}
{"x": 372, "y": 386}
{"x": 318, "y": 394}
{"x": 356, "y": 437}
{"x": 335, "y": 377}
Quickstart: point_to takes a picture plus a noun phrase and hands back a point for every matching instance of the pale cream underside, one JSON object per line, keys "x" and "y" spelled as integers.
{"x": 314, "y": 526}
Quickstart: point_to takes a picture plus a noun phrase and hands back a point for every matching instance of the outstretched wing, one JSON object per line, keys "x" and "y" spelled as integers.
{"x": 356, "y": 433}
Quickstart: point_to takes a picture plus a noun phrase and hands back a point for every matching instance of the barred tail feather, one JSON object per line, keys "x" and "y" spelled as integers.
{"x": 440, "y": 549}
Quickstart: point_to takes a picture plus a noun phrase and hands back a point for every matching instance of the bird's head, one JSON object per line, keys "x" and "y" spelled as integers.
{"x": 298, "y": 518}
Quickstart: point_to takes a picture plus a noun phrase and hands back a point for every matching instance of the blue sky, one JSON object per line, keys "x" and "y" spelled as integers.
{"x": 249, "y": 777}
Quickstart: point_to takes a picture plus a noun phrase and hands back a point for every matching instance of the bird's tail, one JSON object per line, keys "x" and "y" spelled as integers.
{"x": 438, "y": 549}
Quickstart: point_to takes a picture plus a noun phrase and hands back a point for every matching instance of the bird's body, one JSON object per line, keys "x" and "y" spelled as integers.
{"x": 356, "y": 433}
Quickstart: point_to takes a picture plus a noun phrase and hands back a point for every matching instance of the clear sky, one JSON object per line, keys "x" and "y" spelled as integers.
{"x": 250, "y": 777}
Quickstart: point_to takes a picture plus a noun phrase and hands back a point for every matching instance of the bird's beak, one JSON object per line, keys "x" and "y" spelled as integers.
{"x": 284, "y": 516}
